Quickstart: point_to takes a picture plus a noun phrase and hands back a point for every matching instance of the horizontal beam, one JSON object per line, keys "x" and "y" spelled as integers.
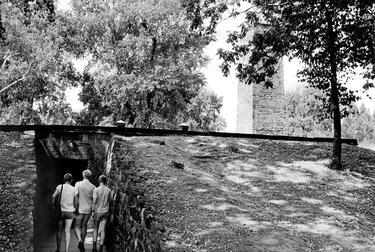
{"x": 158, "y": 132}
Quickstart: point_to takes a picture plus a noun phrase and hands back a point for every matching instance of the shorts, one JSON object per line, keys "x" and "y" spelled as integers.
{"x": 66, "y": 215}
{"x": 100, "y": 216}
{"x": 81, "y": 215}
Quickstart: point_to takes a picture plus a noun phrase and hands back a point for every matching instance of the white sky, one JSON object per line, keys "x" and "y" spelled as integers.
{"x": 225, "y": 86}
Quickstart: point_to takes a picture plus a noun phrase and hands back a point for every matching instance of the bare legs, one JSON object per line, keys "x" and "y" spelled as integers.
{"x": 103, "y": 222}
{"x": 80, "y": 228}
{"x": 60, "y": 226}
{"x": 85, "y": 220}
{"x": 77, "y": 228}
{"x": 95, "y": 233}
{"x": 99, "y": 229}
{"x": 68, "y": 225}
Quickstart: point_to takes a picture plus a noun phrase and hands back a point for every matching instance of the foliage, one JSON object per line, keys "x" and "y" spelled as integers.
{"x": 331, "y": 38}
{"x": 34, "y": 69}
{"x": 306, "y": 116}
{"x": 143, "y": 68}
{"x": 360, "y": 124}
{"x": 55, "y": 112}
{"x": 144, "y": 61}
{"x": 203, "y": 112}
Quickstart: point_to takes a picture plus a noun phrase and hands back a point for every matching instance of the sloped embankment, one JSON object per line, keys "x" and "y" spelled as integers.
{"x": 221, "y": 194}
{"x": 17, "y": 189}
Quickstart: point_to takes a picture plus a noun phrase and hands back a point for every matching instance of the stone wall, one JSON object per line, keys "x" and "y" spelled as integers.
{"x": 259, "y": 109}
{"x": 268, "y": 112}
{"x": 17, "y": 191}
{"x": 131, "y": 227}
{"x": 244, "y": 108}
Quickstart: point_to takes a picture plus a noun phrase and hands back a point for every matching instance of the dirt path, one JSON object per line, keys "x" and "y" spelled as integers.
{"x": 256, "y": 195}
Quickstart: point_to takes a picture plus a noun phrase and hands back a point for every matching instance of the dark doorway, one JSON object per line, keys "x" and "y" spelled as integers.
{"x": 74, "y": 167}
{"x": 50, "y": 174}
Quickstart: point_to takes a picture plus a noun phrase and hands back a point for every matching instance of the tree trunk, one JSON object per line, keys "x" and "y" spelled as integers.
{"x": 2, "y": 30}
{"x": 129, "y": 114}
{"x": 153, "y": 49}
{"x": 336, "y": 154}
{"x": 149, "y": 107}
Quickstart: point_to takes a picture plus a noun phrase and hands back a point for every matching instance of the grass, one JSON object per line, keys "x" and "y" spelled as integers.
{"x": 17, "y": 170}
{"x": 257, "y": 195}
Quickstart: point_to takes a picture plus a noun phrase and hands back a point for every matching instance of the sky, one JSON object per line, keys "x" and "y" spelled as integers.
{"x": 226, "y": 86}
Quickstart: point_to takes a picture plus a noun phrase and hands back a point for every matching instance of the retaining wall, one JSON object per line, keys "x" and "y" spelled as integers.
{"x": 131, "y": 226}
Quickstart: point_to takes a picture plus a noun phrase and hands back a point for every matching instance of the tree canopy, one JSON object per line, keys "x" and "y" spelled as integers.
{"x": 34, "y": 70}
{"x": 144, "y": 64}
{"x": 305, "y": 115}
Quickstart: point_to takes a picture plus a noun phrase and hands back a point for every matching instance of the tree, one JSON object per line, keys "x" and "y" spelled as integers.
{"x": 144, "y": 65}
{"x": 203, "y": 112}
{"x": 331, "y": 38}
{"x": 33, "y": 69}
{"x": 360, "y": 124}
{"x": 305, "y": 114}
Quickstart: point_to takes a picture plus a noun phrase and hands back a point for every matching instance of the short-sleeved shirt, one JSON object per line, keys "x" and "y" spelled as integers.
{"x": 67, "y": 197}
{"x": 85, "y": 193}
{"x": 102, "y": 196}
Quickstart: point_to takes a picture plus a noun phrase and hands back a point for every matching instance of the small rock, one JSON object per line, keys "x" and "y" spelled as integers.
{"x": 178, "y": 165}
{"x": 233, "y": 149}
{"x": 159, "y": 142}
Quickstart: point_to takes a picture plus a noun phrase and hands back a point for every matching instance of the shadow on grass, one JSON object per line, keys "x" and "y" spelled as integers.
{"x": 288, "y": 187}
{"x": 259, "y": 195}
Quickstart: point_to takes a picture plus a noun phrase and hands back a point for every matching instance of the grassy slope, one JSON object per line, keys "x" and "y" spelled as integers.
{"x": 258, "y": 195}
{"x": 17, "y": 171}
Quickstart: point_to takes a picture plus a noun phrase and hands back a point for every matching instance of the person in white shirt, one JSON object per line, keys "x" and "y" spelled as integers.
{"x": 85, "y": 192}
{"x": 100, "y": 208}
{"x": 65, "y": 193}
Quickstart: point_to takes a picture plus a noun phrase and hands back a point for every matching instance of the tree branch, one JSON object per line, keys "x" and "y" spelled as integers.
{"x": 238, "y": 13}
{"x": 278, "y": 4}
{"x": 6, "y": 59}
{"x": 16, "y": 81}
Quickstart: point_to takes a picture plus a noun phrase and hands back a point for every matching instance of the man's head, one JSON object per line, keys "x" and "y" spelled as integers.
{"x": 103, "y": 179}
{"x": 68, "y": 178}
{"x": 86, "y": 174}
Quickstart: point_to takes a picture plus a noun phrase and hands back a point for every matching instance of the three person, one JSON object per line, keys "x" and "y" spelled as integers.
{"x": 92, "y": 201}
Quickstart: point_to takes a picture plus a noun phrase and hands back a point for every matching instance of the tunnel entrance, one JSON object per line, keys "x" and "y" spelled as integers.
{"x": 50, "y": 174}
{"x": 72, "y": 166}
{"x": 56, "y": 154}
